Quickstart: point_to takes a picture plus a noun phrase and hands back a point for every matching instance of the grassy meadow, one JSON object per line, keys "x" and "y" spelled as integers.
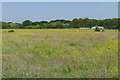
{"x": 59, "y": 53}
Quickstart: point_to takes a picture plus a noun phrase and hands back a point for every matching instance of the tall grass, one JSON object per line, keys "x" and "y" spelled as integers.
{"x": 59, "y": 53}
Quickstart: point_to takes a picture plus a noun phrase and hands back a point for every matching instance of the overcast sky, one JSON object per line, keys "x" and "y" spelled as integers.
{"x": 38, "y": 11}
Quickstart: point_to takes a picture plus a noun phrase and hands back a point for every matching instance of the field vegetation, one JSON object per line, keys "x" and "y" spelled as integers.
{"x": 59, "y": 53}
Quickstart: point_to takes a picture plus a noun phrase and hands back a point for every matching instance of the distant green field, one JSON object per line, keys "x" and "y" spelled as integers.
{"x": 55, "y": 53}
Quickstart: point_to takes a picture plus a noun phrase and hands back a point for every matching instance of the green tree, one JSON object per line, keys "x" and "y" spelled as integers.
{"x": 86, "y": 22}
{"x": 75, "y": 23}
{"x": 27, "y": 23}
{"x": 66, "y": 25}
{"x": 81, "y": 23}
{"x": 5, "y": 25}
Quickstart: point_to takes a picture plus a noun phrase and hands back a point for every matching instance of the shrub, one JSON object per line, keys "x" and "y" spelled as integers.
{"x": 97, "y": 29}
{"x": 11, "y": 31}
{"x": 103, "y": 30}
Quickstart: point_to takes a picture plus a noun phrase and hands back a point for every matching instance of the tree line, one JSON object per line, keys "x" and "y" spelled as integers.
{"x": 61, "y": 23}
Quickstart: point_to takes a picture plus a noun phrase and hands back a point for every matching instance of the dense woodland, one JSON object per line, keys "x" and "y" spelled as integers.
{"x": 54, "y": 24}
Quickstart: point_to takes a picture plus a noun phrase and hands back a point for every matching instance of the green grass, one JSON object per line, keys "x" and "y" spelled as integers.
{"x": 59, "y": 54}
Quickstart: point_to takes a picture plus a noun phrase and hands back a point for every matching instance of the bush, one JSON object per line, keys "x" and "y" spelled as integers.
{"x": 97, "y": 29}
{"x": 11, "y": 31}
{"x": 103, "y": 30}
